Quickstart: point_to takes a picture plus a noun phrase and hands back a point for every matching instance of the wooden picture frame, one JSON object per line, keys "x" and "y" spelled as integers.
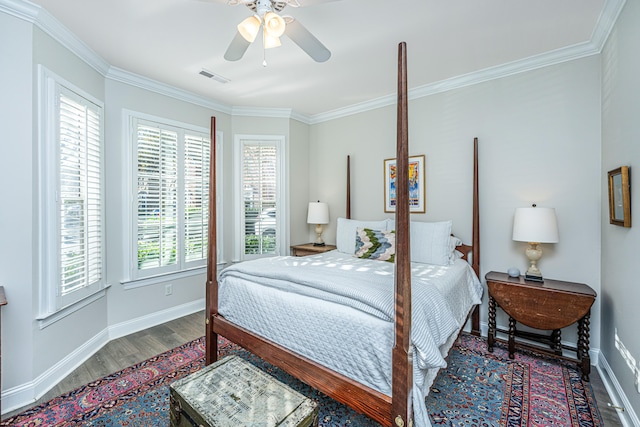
{"x": 417, "y": 192}
{"x": 620, "y": 197}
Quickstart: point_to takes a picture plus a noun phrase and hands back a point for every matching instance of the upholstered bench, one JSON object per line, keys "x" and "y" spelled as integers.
{"x": 233, "y": 392}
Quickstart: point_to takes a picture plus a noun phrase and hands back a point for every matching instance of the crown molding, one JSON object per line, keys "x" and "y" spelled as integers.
{"x": 20, "y": 9}
{"x": 279, "y": 113}
{"x": 142, "y": 82}
{"x": 51, "y": 26}
{"x": 35, "y": 14}
{"x": 606, "y": 21}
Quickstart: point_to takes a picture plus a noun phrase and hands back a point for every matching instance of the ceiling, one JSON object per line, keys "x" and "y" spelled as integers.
{"x": 171, "y": 41}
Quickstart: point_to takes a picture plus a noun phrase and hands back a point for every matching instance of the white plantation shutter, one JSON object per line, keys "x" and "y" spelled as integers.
{"x": 171, "y": 214}
{"x": 196, "y": 196}
{"x": 260, "y": 195}
{"x": 157, "y": 215}
{"x": 79, "y": 195}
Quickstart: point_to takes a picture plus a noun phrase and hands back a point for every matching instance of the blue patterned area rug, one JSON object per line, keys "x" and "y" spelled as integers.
{"x": 476, "y": 389}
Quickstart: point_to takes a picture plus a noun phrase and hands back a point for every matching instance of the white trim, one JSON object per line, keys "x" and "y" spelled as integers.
{"x": 628, "y": 417}
{"x": 150, "y": 320}
{"x": 146, "y": 83}
{"x": 45, "y": 320}
{"x": 27, "y": 393}
{"x": 51, "y": 306}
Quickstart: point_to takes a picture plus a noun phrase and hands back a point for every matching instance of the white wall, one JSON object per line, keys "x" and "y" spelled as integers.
{"x": 18, "y": 269}
{"x": 539, "y": 137}
{"x": 621, "y": 146}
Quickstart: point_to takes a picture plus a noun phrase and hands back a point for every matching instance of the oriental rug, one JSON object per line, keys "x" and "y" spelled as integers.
{"x": 476, "y": 389}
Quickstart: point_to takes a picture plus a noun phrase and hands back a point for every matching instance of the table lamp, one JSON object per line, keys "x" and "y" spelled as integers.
{"x": 318, "y": 214}
{"x": 535, "y": 225}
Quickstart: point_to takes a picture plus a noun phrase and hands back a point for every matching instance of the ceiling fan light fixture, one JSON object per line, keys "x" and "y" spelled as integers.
{"x": 249, "y": 28}
{"x": 274, "y": 24}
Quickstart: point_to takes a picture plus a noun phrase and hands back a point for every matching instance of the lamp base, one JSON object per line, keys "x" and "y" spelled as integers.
{"x": 319, "y": 244}
{"x": 533, "y": 278}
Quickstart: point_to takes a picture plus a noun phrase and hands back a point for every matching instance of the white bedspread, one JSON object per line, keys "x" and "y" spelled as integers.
{"x": 338, "y": 310}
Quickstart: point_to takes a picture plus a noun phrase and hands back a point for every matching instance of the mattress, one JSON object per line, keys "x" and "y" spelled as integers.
{"x": 337, "y": 310}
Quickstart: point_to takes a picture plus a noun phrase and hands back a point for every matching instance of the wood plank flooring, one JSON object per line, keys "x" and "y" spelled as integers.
{"x": 131, "y": 349}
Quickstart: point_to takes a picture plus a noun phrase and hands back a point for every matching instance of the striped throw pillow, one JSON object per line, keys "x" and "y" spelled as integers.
{"x": 375, "y": 244}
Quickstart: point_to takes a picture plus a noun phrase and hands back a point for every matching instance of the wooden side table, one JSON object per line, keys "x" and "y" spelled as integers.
{"x": 550, "y": 305}
{"x": 310, "y": 249}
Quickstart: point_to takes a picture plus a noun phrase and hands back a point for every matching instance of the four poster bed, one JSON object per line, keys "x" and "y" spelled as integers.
{"x": 343, "y": 324}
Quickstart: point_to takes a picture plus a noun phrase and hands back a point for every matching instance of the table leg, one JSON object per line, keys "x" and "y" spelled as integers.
{"x": 557, "y": 342}
{"x": 583, "y": 346}
{"x": 512, "y": 337}
{"x": 491, "y": 335}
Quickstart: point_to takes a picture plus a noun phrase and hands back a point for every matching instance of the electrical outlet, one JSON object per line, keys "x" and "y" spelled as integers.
{"x": 168, "y": 289}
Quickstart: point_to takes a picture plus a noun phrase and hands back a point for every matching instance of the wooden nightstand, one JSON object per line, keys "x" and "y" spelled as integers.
{"x": 310, "y": 249}
{"x": 550, "y": 305}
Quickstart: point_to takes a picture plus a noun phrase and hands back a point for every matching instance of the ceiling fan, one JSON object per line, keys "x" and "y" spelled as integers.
{"x": 266, "y": 18}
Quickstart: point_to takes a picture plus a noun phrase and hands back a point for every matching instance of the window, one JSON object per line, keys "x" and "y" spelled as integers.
{"x": 72, "y": 183}
{"x": 260, "y": 190}
{"x": 171, "y": 185}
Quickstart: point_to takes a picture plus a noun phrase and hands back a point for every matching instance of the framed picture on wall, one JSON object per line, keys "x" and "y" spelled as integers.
{"x": 417, "y": 194}
{"x": 619, "y": 197}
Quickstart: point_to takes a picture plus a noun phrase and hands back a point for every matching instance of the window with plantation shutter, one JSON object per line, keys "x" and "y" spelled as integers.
{"x": 80, "y": 195}
{"x": 196, "y": 196}
{"x": 157, "y": 215}
{"x": 72, "y": 182}
{"x": 171, "y": 212}
{"x": 260, "y": 180}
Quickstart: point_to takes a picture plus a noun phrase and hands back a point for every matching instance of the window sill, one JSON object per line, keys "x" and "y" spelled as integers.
{"x": 160, "y": 278}
{"x": 51, "y": 318}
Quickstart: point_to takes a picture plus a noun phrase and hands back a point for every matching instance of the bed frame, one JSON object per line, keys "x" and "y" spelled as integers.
{"x": 387, "y": 410}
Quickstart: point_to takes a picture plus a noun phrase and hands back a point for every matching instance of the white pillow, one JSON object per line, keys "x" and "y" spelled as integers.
{"x": 346, "y": 232}
{"x": 431, "y": 242}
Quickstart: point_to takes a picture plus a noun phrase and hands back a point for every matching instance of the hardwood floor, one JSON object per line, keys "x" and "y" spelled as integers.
{"x": 131, "y": 349}
{"x": 126, "y": 351}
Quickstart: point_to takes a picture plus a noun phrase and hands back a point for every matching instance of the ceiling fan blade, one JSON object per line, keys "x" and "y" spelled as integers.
{"x": 237, "y": 48}
{"x": 307, "y": 41}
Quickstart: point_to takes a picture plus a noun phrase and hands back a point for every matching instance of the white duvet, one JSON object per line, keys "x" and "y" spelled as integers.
{"x": 338, "y": 310}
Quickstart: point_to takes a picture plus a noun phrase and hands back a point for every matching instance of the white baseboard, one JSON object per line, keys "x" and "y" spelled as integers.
{"x": 27, "y": 393}
{"x": 138, "y": 324}
{"x": 628, "y": 417}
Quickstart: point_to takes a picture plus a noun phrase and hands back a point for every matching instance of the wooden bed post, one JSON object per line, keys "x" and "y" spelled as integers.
{"x": 211, "y": 349}
{"x": 475, "y": 262}
{"x": 402, "y": 371}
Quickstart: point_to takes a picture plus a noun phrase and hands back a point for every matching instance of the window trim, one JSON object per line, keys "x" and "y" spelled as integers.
{"x": 51, "y": 307}
{"x": 281, "y": 196}
{"x": 132, "y": 277}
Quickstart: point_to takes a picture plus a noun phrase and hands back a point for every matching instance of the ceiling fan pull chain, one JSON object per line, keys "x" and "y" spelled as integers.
{"x": 264, "y": 56}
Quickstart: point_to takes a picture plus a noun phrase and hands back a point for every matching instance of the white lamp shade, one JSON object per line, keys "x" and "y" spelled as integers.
{"x": 270, "y": 41}
{"x": 318, "y": 213}
{"x": 249, "y": 28}
{"x": 535, "y": 224}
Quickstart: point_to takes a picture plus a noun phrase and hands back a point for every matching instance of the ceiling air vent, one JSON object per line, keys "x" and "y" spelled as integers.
{"x": 208, "y": 74}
